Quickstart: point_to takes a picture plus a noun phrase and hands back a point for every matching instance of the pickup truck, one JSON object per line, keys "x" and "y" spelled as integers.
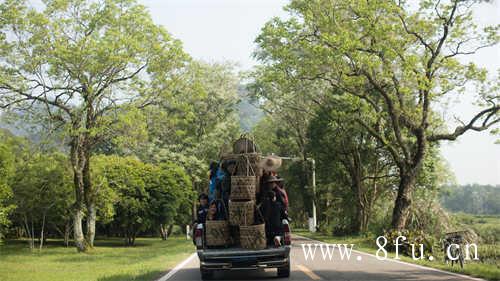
{"x": 236, "y": 258}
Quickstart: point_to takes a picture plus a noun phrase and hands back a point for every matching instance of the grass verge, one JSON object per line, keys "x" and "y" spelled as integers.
{"x": 489, "y": 271}
{"x": 108, "y": 261}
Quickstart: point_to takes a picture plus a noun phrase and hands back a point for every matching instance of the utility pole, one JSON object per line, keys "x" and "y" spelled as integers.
{"x": 313, "y": 167}
{"x": 315, "y": 220}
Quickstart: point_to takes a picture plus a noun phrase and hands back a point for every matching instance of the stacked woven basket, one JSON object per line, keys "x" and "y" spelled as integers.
{"x": 243, "y": 213}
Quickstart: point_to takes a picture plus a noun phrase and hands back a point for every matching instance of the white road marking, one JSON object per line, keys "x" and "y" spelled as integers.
{"x": 177, "y": 268}
{"x": 407, "y": 263}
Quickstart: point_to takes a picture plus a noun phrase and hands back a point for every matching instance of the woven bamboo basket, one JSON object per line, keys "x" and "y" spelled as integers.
{"x": 241, "y": 213}
{"x": 248, "y": 164}
{"x": 244, "y": 145}
{"x": 217, "y": 233}
{"x": 253, "y": 237}
{"x": 243, "y": 188}
{"x": 235, "y": 235}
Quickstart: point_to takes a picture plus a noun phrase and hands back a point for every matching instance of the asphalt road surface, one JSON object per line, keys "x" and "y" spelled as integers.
{"x": 360, "y": 266}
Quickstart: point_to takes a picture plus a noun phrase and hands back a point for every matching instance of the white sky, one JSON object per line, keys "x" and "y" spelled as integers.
{"x": 217, "y": 30}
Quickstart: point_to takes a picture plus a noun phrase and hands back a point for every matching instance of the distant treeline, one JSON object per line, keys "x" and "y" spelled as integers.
{"x": 473, "y": 199}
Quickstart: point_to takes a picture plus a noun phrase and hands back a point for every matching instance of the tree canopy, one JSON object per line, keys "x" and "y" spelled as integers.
{"x": 398, "y": 62}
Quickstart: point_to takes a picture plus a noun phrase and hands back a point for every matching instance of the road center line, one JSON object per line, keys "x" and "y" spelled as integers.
{"x": 177, "y": 268}
{"x": 308, "y": 272}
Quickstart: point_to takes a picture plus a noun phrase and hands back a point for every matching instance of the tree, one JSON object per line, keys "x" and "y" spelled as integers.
{"x": 350, "y": 157}
{"x": 398, "y": 61}
{"x": 42, "y": 192}
{"x": 83, "y": 60}
{"x": 191, "y": 126}
{"x": 6, "y": 172}
{"x": 127, "y": 178}
{"x": 171, "y": 194}
{"x": 146, "y": 196}
{"x": 289, "y": 112}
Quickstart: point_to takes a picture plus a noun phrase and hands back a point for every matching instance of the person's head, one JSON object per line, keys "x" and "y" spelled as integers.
{"x": 213, "y": 168}
{"x": 272, "y": 181}
{"x": 229, "y": 166}
{"x": 212, "y": 209}
{"x": 271, "y": 195}
{"x": 203, "y": 199}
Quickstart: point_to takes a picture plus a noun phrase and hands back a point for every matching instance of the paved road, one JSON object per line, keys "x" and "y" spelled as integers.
{"x": 368, "y": 268}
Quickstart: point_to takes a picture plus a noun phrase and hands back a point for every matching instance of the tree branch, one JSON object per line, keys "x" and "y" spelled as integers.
{"x": 460, "y": 130}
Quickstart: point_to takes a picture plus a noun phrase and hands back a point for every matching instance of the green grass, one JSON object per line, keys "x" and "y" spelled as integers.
{"x": 108, "y": 261}
{"x": 486, "y": 226}
{"x": 489, "y": 270}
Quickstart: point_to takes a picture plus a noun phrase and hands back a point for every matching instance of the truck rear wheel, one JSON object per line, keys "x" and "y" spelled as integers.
{"x": 206, "y": 274}
{"x": 284, "y": 272}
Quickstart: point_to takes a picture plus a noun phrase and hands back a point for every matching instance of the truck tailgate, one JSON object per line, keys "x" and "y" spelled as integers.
{"x": 238, "y": 258}
{"x": 234, "y": 253}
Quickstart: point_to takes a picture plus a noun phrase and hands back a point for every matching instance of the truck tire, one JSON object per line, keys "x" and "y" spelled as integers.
{"x": 206, "y": 274}
{"x": 284, "y": 272}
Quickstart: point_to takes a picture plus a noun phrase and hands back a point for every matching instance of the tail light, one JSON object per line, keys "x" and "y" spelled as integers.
{"x": 198, "y": 236}
{"x": 288, "y": 236}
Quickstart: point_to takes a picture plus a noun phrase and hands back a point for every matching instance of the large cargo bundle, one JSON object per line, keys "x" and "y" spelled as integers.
{"x": 253, "y": 236}
{"x": 243, "y": 188}
{"x": 241, "y": 212}
{"x": 245, "y": 185}
{"x": 217, "y": 233}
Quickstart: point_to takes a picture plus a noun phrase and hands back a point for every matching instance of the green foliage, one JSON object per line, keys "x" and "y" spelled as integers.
{"x": 42, "y": 192}
{"x": 190, "y": 126}
{"x": 473, "y": 199}
{"x": 394, "y": 64}
{"x": 86, "y": 64}
{"x": 6, "y": 169}
{"x": 144, "y": 195}
{"x": 487, "y": 227}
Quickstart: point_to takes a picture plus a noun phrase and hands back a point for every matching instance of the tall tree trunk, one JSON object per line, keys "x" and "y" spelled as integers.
{"x": 89, "y": 198}
{"x": 357, "y": 220}
{"x": 78, "y": 236}
{"x": 78, "y": 164}
{"x": 42, "y": 237}
{"x": 67, "y": 230}
{"x": 28, "y": 231}
{"x": 163, "y": 232}
{"x": 78, "y": 230}
{"x": 169, "y": 230}
{"x": 403, "y": 200}
{"x": 91, "y": 220}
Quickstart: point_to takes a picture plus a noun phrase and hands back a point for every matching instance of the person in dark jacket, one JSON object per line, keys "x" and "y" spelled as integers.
{"x": 273, "y": 212}
{"x": 273, "y": 184}
{"x": 223, "y": 184}
{"x": 201, "y": 213}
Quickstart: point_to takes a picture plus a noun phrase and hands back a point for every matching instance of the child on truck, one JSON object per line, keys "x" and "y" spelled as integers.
{"x": 201, "y": 213}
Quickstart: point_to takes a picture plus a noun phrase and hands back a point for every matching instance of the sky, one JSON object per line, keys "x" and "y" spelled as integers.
{"x": 225, "y": 30}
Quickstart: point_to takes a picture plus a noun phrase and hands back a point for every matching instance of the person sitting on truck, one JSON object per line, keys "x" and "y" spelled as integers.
{"x": 273, "y": 212}
{"x": 201, "y": 213}
{"x": 223, "y": 185}
{"x": 212, "y": 211}
{"x": 273, "y": 185}
{"x": 280, "y": 187}
{"x": 214, "y": 167}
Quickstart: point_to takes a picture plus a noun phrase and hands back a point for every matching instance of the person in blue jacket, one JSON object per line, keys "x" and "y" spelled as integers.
{"x": 214, "y": 171}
